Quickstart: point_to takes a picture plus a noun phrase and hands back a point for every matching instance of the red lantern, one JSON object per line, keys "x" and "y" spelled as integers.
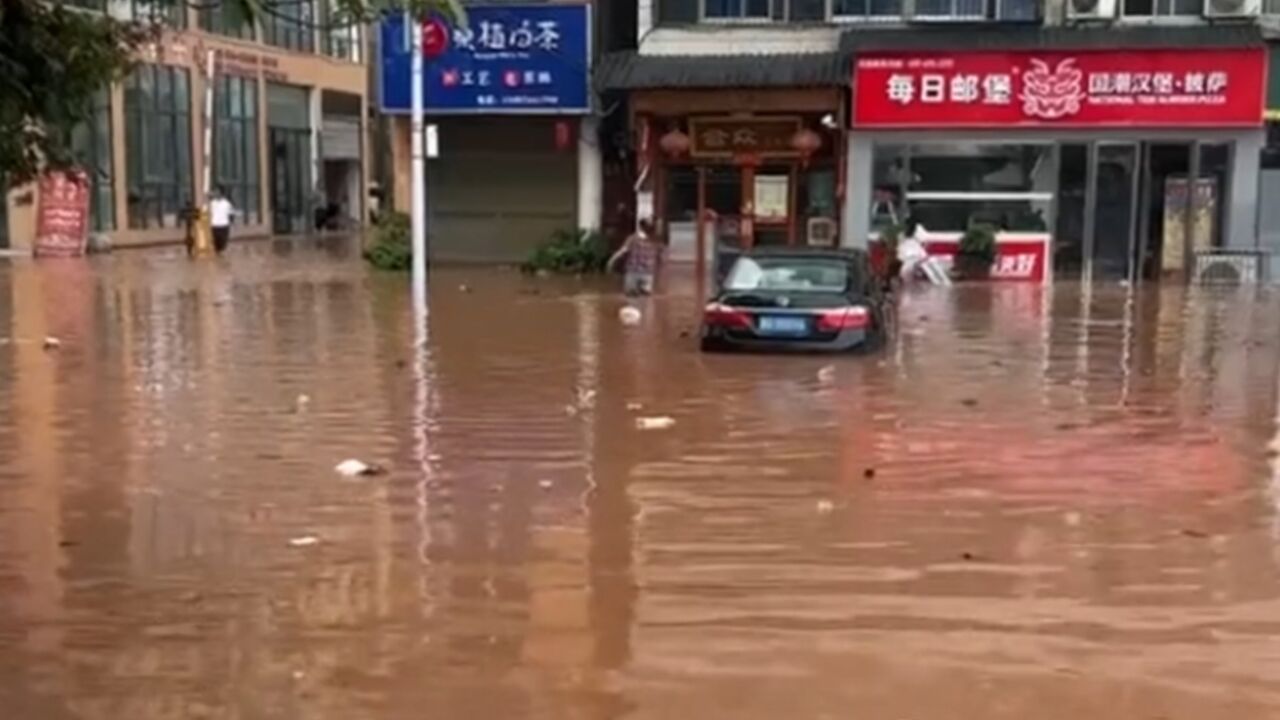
{"x": 564, "y": 135}
{"x": 806, "y": 142}
{"x": 675, "y": 143}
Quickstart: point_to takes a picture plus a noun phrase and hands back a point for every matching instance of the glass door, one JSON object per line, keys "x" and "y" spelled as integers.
{"x": 290, "y": 180}
{"x": 1114, "y": 191}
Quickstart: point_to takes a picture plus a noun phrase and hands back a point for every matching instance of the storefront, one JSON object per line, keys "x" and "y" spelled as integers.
{"x": 1074, "y": 145}
{"x": 509, "y": 129}
{"x": 752, "y": 147}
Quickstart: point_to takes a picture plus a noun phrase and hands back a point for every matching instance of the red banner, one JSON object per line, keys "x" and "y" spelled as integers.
{"x": 1165, "y": 88}
{"x": 62, "y": 217}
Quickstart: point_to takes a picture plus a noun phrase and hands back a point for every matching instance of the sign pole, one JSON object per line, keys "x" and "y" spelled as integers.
{"x": 418, "y": 169}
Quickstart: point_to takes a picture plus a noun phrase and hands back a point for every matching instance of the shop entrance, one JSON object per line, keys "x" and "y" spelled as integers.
{"x": 769, "y": 204}
{"x": 290, "y": 180}
{"x": 1124, "y": 208}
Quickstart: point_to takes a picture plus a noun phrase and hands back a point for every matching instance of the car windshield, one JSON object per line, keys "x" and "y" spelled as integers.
{"x": 788, "y": 274}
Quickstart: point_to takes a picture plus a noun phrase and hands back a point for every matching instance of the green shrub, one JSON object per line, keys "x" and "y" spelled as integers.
{"x": 978, "y": 244}
{"x": 391, "y": 248}
{"x": 570, "y": 251}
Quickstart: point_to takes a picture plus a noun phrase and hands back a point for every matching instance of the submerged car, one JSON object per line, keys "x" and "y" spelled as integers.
{"x": 796, "y": 299}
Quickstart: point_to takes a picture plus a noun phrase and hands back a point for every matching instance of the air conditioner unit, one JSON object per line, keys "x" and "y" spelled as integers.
{"x": 1227, "y": 267}
{"x": 822, "y": 232}
{"x": 1232, "y": 8}
{"x": 1091, "y": 9}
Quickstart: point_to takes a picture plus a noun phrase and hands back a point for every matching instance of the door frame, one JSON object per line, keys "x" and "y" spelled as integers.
{"x": 1091, "y": 206}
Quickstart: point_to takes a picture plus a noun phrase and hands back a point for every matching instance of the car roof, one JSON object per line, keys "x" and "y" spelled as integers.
{"x": 808, "y": 253}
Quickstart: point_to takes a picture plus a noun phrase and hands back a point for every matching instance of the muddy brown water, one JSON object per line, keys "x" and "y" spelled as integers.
{"x": 1048, "y": 504}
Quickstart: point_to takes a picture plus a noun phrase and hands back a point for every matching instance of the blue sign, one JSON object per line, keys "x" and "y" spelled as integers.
{"x": 510, "y": 59}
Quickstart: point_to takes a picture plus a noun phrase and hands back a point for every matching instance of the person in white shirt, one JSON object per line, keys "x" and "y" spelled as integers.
{"x": 220, "y": 213}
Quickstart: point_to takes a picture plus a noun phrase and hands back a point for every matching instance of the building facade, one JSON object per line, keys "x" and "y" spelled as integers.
{"x": 1071, "y": 126}
{"x": 288, "y": 98}
{"x": 512, "y": 128}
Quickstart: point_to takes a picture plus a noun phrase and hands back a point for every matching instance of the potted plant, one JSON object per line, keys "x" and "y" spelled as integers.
{"x": 977, "y": 252}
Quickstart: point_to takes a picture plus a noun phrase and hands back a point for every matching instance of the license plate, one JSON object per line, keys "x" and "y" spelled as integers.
{"x": 783, "y": 325}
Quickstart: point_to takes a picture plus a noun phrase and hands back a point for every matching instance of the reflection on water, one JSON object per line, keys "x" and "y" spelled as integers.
{"x": 1035, "y": 503}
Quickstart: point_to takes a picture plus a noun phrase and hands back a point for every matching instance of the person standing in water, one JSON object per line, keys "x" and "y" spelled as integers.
{"x": 221, "y": 211}
{"x": 644, "y": 254}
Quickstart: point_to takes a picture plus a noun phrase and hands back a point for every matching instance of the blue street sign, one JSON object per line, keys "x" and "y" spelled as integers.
{"x": 510, "y": 59}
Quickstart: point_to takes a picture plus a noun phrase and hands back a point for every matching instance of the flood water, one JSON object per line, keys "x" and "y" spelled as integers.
{"x": 1033, "y": 504}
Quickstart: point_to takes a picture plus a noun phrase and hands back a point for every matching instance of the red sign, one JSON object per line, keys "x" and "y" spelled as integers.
{"x": 1189, "y": 87}
{"x": 1018, "y": 257}
{"x": 62, "y": 216}
{"x": 435, "y": 38}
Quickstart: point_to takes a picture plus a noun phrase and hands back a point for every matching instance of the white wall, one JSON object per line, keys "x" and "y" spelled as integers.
{"x": 740, "y": 40}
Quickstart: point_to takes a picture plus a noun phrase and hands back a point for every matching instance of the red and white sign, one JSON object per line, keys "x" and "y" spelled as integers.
{"x": 435, "y": 38}
{"x": 1187, "y": 87}
{"x": 62, "y": 216}
{"x": 1019, "y": 256}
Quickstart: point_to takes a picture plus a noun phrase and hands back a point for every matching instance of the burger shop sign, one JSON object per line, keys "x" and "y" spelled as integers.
{"x": 1151, "y": 88}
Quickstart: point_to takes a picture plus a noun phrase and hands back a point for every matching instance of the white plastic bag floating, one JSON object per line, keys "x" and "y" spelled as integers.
{"x": 660, "y": 422}
{"x": 630, "y": 316}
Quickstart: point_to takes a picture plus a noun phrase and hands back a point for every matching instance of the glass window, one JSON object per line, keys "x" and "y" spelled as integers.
{"x": 788, "y": 274}
{"x": 737, "y": 9}
{"x": 173, "y": 14}
{"x": 290, "y": 25}
{"x": 341, "y": 35}
{"x": 157, "y": 145}
{"x": 1162, "y": 8}
{"x": 225, "y": 18}
{"x": 91, "y": 146}
{"x": 867, "y": 9}
{"x": 952, "y": 9}
{"x": 235, "y": 144}
{"x": 948, "y": 187}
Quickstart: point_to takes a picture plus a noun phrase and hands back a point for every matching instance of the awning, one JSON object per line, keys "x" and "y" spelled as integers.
{"x": 983, "y": 38}
{"x": 631, "y": 71}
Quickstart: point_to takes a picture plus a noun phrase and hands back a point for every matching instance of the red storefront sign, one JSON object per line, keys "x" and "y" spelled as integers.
{"x": 62, "y": 217}
{"x": 1186, "y": 87}
{"x": 1018, "y": 257}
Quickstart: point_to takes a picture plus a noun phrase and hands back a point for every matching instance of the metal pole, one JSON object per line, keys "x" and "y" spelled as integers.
{"x": 418, "y": 167}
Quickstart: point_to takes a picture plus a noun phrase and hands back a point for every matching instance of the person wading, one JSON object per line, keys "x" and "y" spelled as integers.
{"x": 644, "y": 254}
{"x": 221, "y": 211}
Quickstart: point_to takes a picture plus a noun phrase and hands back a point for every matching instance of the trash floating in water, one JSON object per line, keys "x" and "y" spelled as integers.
{"x": 465, "y": 288}
{"x": 545, "y": 484}
{"x": 354, "y": 468}
{"x": 634, "y": 406}
{"x": 869, "y": 473}
{"x": 303, "y": 401}
{"x": 305, "y": 541}
{"x": 630, "y": 315}
{"x": 827, "y": 374}
{"x": 52, "y": 343}
{"x": 660, "y": 422}
{"x": 825, "y": 507}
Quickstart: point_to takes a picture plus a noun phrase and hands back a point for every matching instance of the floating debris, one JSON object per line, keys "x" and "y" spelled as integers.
{"x": 354, "y": 468}
{"x": 660, "y": 422}
{"x": 869, "y": 473}
{"x": 825, "y": 507}
{"x": 52, "y": 343}
{"x": 545, "y": 484}
{"x": 630, "y": 316}
{"x": 827, "y": 374}
{"x": 305, "y": 541}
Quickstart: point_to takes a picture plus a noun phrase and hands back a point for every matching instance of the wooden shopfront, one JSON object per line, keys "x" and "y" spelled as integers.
{"x": 758, "y": 166}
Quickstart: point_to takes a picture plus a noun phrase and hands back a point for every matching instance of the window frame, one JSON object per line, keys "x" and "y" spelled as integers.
{"x": 158, "y": 168}
{"x": 238, "y": 143}
{"x": 1194, "y": 17}
{"x": 296, "y": 32}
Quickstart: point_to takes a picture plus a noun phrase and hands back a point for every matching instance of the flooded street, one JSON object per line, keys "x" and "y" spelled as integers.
{"x": 1035, "y": 503}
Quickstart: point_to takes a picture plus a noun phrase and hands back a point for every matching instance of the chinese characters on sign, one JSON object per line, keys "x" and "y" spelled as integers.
{"x": 1159, "y": 87}
{"x": 62, "y": 217}
{"x": 736, "y": 137}
{"x": 509, "y": 58}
